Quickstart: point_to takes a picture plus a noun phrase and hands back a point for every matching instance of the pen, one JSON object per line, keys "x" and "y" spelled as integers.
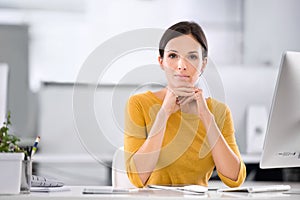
{"x": 28, "y": 150}
{"x": 34, "y": 148}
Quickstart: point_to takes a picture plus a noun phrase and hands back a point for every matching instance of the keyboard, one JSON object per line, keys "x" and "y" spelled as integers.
{"x": 41, "y": 181}
{"x": 261, "y": 188}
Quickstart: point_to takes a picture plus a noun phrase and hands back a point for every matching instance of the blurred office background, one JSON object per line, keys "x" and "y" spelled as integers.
{"x": 45, "y": 43}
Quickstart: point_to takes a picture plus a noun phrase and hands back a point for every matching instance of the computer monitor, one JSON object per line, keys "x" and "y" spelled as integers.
{"x": 282, "y": 141}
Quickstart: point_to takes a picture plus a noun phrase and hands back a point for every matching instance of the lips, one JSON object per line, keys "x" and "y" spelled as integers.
{"x": 181, "y": 76}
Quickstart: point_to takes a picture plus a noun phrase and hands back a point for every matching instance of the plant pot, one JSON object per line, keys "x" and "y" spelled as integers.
{"x": 10, "y": 172}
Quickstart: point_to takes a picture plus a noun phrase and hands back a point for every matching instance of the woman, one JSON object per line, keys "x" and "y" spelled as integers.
{"x": 176, "y": 136}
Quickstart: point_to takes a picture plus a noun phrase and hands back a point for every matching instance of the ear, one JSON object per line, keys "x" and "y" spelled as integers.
{"x": 160, "y": 61}
{"x": 204, "y": 63}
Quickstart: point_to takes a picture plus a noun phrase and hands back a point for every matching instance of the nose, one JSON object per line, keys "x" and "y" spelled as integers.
{"x": 181, "y": 64}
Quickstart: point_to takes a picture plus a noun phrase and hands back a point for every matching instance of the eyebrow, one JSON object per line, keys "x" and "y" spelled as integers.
{"x": 177, "y": 51}
{"x": 172, "y": 51}
{"x": 193, "y": 52}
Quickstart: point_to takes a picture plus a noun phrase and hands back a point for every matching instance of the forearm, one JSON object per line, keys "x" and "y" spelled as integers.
{"x": 146, "y": 157}
{"x": 226, "y": 161}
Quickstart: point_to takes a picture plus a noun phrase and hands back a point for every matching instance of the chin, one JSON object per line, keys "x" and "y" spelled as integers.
{"x": 177, "y": 83}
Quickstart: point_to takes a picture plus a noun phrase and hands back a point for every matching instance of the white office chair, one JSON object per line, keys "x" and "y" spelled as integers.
{"x": 3, "y": 91}
{"x": 119, "y": 175}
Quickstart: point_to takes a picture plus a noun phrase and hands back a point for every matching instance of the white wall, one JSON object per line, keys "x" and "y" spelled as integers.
{"x": 247, "y": 86}
{"x": 270, "y": 28}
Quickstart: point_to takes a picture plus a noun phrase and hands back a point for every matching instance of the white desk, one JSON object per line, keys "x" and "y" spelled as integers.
{"x": 86, "y": 158}
{"x": 76, "y": 193}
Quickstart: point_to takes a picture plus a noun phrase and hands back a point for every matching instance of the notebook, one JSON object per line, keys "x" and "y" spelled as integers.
{"x": 255, "y": 189}
{"x": 108, "y": 190}
{"x": 41, "y": 181}
{"x": 188, "y": 188}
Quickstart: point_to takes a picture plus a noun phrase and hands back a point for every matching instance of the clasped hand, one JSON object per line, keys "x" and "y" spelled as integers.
{"x": 188, "y": 98}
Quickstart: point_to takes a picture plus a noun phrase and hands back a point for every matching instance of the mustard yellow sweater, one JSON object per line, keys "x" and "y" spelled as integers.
{"x": 185, "y": 157}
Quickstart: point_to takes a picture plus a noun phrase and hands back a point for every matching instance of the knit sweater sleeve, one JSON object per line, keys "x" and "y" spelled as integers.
{"x": 229, "y": 135}
{"x": 134, "y": 137}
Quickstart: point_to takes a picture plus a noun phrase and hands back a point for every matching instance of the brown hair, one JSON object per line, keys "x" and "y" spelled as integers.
{"x": 184, "y": 28}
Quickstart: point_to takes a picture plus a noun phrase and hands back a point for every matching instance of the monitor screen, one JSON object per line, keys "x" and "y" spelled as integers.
{"x": 282, "y": 141}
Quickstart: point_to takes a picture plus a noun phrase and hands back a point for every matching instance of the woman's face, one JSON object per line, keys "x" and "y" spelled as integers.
{"x": 182, "y": 61}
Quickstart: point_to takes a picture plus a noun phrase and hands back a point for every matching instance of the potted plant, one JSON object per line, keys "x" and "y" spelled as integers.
{"x": 11, "y": 156}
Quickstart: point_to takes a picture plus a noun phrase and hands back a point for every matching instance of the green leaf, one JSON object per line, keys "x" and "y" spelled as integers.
{"x": 8, "y": 142}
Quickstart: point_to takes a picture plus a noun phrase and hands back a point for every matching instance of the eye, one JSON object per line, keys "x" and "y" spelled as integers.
{"x": 172, "y": 55}
{"x": 193, "y": 57}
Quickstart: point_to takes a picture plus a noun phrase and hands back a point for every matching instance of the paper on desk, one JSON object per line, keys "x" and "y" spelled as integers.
{"x": 50, "y": 189}
{"x": 256, "y": 189}
{"x": 108, "y": 190}
{"x": 188, "y": 188}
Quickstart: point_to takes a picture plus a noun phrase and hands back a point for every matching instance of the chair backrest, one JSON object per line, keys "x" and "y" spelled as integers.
{"x": 3, "y": 90}
{"x": 119, "y": 175}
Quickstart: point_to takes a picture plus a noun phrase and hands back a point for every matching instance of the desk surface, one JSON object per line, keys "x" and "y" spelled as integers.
{"x": 86, "y": 158}
{"x": 76, "y": 193}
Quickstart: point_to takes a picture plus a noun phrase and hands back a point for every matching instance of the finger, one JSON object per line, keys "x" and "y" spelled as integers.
{"x": 184, "y": 91}
{"x": 171, "y": 91}
{"x": 179, "y": 99}
{"x": 186, "y": 100}
{"x": 197, "y": 96}
{"x": 198, "y": 90}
